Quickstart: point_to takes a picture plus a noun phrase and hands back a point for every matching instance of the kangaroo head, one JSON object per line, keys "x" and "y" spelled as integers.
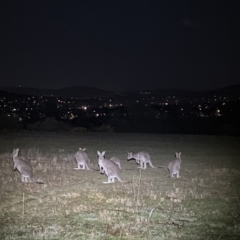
{"x": 178, "y": 155}
{"x": 101, "y": 155}
{"x": 129, "y": 155}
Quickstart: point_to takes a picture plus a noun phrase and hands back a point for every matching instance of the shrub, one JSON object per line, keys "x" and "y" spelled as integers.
{"x": 9, "y": 123}
{"x": 49, "y": 125}
{"x": 104, "y": 128}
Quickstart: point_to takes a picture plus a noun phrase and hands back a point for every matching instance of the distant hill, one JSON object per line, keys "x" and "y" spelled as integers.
{"x": 233, "y": 90}
{"x": 9, "y": 94}
{"x": 168, "y": 92}
{"x": 82, "y": 92}
{"x": 63, "y": 92}
{"x": 230, "y": 90}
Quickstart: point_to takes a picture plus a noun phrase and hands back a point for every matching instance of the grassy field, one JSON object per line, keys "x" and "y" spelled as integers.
{"x": 74, "y": 204}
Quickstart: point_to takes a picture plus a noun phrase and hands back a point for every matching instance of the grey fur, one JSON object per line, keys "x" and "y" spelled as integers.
{"x": 174, "y": 166}
{"x": 141, "y": 158}
{"x": 82, "y": 159}
{"x": 116, "y": 160}
{"x": 23, "y": 167}
{"x": 110, "y": 168}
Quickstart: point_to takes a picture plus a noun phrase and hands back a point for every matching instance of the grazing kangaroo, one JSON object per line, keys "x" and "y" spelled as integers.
{"x": 82, "y": 159}
{"x": 174, "y": 166}
{"x": 23, "y": 167}
{"x": 141, "y": 157}
{"x": 110, "y": 168}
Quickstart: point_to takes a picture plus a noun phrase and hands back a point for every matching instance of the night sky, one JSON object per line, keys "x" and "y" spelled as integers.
{"x": 120, "y": 45}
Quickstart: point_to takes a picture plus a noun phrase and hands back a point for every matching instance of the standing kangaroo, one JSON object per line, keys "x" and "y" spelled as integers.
{"x": 174, "y": 166}
{"x": 23, "y": 167}
{"x": 110, "y": 168}
{"x": 116, "y": 160}
{"x": 82, "y": 159}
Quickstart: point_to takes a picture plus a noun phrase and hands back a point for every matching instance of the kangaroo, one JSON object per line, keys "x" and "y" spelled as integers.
{"x": 110, "y": 168}
{"x": 23, "y": 167}
{"x": 174, "y": 166}
{"x": 141, "y": 157}
{"x": 82, "y": 159}
{"x": 116, "y": 160}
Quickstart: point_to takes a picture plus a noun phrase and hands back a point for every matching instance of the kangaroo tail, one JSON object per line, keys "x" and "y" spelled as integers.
{"x": 150, "y": 163}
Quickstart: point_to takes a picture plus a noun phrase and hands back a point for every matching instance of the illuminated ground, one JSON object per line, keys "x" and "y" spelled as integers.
{"x": 74, "y": 204}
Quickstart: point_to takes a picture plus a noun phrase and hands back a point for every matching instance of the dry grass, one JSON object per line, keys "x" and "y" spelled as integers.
{"x": 74, "y": 204}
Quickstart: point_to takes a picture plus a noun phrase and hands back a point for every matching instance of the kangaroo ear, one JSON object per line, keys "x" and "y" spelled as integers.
{"x": 103, "y": 153}
{"x": 180, "y": 153}
{"x": 84, "y": 149}
{"x": 98, "y": 153}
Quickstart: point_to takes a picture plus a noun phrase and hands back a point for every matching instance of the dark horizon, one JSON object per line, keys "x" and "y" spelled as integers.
{"x": 131, "y": 90}
{"x": 119, "y": 46}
